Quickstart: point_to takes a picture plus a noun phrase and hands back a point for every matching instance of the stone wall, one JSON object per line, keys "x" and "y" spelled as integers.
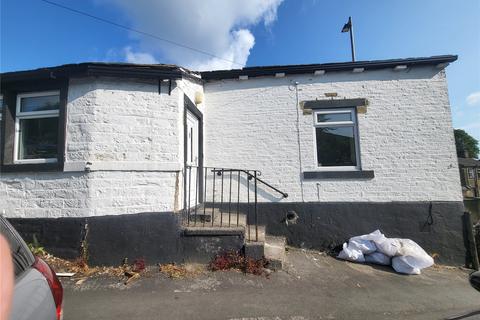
{"x": 124, "y": 154}
{"x": 406, "y": 135}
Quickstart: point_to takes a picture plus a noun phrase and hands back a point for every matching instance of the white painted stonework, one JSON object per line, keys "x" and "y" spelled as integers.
{"x": 124, "y": 142}
{"x": 406, "y": 135}
{"x": 128, "y": 136}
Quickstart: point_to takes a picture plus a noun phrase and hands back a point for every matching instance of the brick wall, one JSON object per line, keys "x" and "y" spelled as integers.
{"x": 406, "y": 135}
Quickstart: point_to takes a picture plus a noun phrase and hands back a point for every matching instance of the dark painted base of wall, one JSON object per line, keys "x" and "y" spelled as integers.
{"x": 155, "y": 237}
{"x": 158, "y": 237}
{"x": 436, "y": 226}
{"x": 61, "y": 237}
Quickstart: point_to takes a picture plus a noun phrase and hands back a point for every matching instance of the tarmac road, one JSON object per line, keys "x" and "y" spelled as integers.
{"x": 311, "y": 286}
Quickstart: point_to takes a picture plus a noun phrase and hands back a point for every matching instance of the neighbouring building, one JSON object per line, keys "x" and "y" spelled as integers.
{"x": 469, "y": 172}
{"x": 137, "y": 159}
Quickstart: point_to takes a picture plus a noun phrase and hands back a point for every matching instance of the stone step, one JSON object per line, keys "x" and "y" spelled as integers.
{"x": 219, "y": 218}
{"x": 274, "y": 251}
{"x": 257, "y": 243}
{"x": 225, "y": 221}
{"x": 251, "y": 235}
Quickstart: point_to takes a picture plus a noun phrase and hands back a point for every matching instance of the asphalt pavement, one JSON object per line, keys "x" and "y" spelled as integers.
{"x": 311, "y": 286}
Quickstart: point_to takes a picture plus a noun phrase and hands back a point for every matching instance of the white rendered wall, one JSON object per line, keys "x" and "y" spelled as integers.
{"x": 406, "y": 135}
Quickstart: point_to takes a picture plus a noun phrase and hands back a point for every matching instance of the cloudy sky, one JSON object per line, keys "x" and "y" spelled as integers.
{"x": 225, "y": 34}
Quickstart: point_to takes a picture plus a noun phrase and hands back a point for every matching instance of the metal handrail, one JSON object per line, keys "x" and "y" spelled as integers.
{"x": 200, "y": 196}
{"x": 259, "y": 173}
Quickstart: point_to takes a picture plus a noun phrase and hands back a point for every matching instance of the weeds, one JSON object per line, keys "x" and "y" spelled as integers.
{"x": 138, "y": 265}
{"x": 235, "y": 260}
{"x": 35, "y": 247}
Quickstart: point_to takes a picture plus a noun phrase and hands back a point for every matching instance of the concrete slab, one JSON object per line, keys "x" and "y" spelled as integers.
{"x": 275, "y": 251}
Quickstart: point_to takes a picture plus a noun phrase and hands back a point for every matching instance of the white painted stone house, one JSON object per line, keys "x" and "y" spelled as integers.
{"x": 356, "y": 146}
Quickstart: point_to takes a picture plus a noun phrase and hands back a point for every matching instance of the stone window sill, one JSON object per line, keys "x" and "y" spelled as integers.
{"x": 320, "y": 175}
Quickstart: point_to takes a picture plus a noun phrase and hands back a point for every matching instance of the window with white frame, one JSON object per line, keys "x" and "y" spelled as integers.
{"x": 336, "y": 139}
{"x": 36, "y": 127}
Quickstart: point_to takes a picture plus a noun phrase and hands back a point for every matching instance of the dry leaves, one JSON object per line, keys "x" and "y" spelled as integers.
{"x": 126, "y": 272}
{"x": 83, "y": 270}
{"x": 175, "y": 271}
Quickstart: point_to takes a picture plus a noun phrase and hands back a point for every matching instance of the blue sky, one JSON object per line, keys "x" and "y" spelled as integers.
{"x": 254, "y": 32}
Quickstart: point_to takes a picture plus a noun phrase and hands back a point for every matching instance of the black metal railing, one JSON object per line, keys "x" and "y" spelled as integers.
{"x": 223, "y": 197}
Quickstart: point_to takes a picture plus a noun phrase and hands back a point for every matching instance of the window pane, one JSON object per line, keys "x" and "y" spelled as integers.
{"x": 336, "y": 146}
{"x": 40, "y": 103}
{"x": 334, "y": 117}
{"x": 38, "y": 138}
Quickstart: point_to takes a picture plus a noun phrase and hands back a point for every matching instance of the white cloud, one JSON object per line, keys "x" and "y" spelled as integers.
{"x": 474, "y": 99}
{"x": 241, "y": 43}
{"x": 216, "y": 26}
{"x": 138, "y": 57}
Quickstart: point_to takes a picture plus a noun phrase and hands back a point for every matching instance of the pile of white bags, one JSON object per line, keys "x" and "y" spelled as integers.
{"x": 404, "y": 255}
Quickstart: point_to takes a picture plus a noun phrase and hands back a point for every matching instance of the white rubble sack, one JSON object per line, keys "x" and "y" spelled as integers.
{"x": 351, "y": 254}
{"x": 365, "y": 246}
{"x": 375, "y": 236}
{"x": 378, "y": 258}
{"x": 401, "y": 266}
{"x": 389, "y": 247}
{"x": 357, "y": 246}
{"x": 412, "y": 258}
{"x": 405, "y": 255}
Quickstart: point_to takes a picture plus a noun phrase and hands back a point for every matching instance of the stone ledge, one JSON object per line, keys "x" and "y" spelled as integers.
{"x": 363, "y": 174}
{"x": 212, "y": 231}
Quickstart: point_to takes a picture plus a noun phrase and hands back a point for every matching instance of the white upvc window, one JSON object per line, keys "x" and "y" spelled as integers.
{"x": 336, "y": 139}
{"x": 36, "y": 127}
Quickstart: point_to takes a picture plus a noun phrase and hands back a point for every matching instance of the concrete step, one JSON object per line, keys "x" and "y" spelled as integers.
{"x": 274, "y": 251}
{"x": 226, "y": 220}
{"x": 219, "y": 218}
{"x": 251, "y": 235}
{"x": 257, "y": 243}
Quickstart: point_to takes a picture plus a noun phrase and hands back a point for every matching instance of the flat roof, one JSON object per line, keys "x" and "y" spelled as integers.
{"x": 149, "y": 71}
{"x": 169, "y": 71}
{"x": 441, "y": 61}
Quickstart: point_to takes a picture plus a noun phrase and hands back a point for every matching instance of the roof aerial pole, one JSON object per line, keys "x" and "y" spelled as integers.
{"x": 348, "y": 27}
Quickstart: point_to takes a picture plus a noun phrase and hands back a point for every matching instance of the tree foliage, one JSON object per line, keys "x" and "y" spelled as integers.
{"x": 465, "y": 142}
